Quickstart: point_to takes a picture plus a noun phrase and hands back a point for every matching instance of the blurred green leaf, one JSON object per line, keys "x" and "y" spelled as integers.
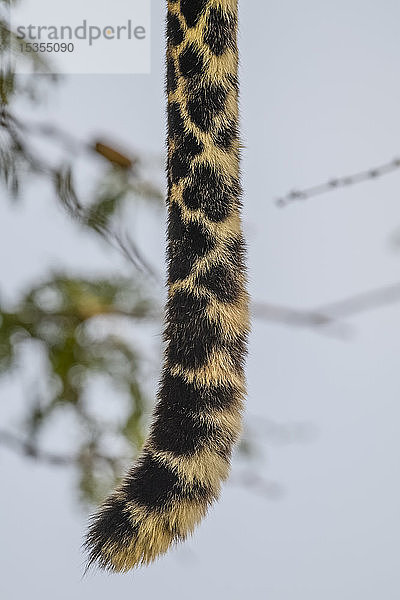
{"x": 56, "y": 314}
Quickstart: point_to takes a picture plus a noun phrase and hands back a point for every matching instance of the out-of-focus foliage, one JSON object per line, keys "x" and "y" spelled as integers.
{"x": 61, "y": 319}
{"x": 116, "y": 186}
{"x": 66, "y": 318}
{"x": 12, "y": 87}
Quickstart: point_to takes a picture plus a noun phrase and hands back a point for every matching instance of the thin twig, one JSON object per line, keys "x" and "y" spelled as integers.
{"x": 339, "y": 182}
{"x": 320, "y": 322}
{"x": 251, "y": 480}
{"x": 329, "y": 314}
{"x": 69, "y": 200}
{"x": 258, "y": 426}
{"x": 247, "y": 478}
{"x": 31, "y": 450}
{"x": 363, "y": 302}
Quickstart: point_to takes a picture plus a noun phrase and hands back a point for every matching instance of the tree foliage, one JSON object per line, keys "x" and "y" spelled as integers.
{"x": 65, "y": 317}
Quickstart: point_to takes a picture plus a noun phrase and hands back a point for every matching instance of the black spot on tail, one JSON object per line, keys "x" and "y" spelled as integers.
{"x": 180, "y": 432}
{"x": 192, "y": 10}
{"x": 190, "y": 145}
{"x": 112, "y": 525}
{"x": 208, "y": 191}
{"x": 191, "y": 335}
{"x": 179, "y": 165}
{"x": 175, "y": 33}
{"x": 236, "y": 252}
{"x": 226, "y": 135}
{"x": 205, "y": 104}
{"x": 220, "y": 32}
{"x": 191, "y": 62}
{"x": 153, "y": 485}
{"x": 183, "y": 306}
{"x": 176, "y": 225}
{"x": 172, "y": 78}
{"x": 179, "y": 427}
{"x": 221, "y": 280}
{"x": 193, "y": 398}
{"x": 237, "y": 350}
{"x": 187, "y": 243}
{"x": 233, "y": 80}
{"x": 176, "y": 126}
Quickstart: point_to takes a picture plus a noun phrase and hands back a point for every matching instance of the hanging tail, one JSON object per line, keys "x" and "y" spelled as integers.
{"x": 198, "y": 415}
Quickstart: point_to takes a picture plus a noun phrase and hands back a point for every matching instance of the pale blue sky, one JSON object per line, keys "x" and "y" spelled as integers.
{"x": 320, "y": 98}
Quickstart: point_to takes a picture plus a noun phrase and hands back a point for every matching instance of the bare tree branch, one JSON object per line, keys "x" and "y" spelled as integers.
{"x": 330, "y": 314}
{"x": 339, "y": 182}
{"x": 247, "y": 478}
{"x": 252, "y": 481}
{"x": 29, "y": 449}
{"x": 270, "y": 431}
{"x": 63, "y": 181}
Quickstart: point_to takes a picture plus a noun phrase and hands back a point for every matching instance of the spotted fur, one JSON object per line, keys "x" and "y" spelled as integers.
{"x": 198, "y": 415}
